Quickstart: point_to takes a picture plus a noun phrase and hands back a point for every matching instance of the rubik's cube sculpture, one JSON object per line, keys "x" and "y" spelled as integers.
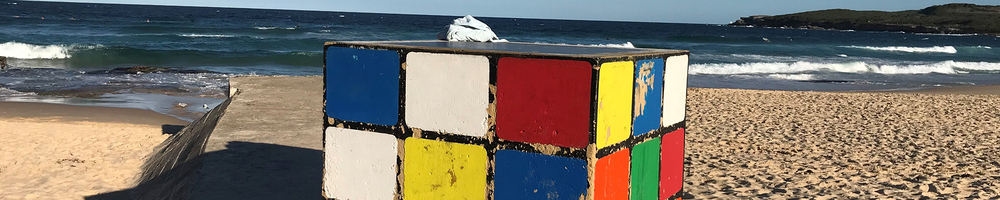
{"x": 415, "y": 120}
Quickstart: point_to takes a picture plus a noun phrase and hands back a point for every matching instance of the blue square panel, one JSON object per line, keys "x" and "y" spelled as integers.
{"x": 648, "y": 84}
{"x": 529, "y": 176}
{"x": 362, "y": 85}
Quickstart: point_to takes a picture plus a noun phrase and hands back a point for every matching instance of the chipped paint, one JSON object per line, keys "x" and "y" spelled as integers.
{"x": 644, "y": 83}
{"x": 443, "y": 170}
{"x": 362, "y": 85}
{"x": 545, "y": 110}
{"x": 646, "y": 111}
{"x": 531, "y": 176}
{"x": 646, "y": 170}
{"x": 612, "y": 177}
{"x": 546, "y": 149}
{"x": 672, "y": 163}
{"x": 359, "y": 164}
{"x": 447, "y": 93}
{"x": 544, "y": 101}
{"x": 614, "y": 105}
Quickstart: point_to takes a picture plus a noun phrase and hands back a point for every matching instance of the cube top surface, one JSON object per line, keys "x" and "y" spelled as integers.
{"x": 517, "y": 48}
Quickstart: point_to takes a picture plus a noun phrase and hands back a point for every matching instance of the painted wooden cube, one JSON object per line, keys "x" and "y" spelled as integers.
{"x": 408, "y": 120}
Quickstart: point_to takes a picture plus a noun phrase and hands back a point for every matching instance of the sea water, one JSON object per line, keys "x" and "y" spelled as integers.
{"x": 56, "y": 48}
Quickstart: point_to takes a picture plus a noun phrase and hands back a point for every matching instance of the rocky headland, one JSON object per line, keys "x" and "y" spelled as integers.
{"x": 941, "y": 19}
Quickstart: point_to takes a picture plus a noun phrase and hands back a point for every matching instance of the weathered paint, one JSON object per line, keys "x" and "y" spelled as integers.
{"x": 646, "y": 170}
{"x": 646, "y": 97}
{"x": 672, "y": 164}
{"x": 529, "y": 176}
{"x": 447, "y": 92}
{"x": 544, "y": 101}
{"x": 443, "y": 170}
{"x": 362, "y": 85}
{"x": 674, "y": 89}
{"x": 359, "y": 164}
{"x": 614, "y": 103}
{"x": 611, "y": 178}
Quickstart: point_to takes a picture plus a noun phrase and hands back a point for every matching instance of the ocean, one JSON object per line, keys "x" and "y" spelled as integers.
{"x": 60, "y": 52}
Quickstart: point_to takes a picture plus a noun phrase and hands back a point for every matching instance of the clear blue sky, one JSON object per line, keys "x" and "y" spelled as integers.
{"x": 678, "y": 11}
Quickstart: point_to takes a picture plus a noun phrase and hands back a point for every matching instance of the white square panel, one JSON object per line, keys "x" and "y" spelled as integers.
{"x": 447, "y": 92}
{"x": 674, "y": 89}
{"x": 359, "y": 165}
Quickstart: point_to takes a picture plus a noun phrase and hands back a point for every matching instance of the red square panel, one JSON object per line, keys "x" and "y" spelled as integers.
{"x": 672, "y": 163}
{"x": 544, "y": 101}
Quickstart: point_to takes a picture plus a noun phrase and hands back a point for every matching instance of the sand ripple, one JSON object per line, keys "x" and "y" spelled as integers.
{"x": 780, "y": 145}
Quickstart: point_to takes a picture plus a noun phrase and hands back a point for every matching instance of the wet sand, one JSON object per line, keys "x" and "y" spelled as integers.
{"x": 780, "y": 145}
{"x": 52, "y": 151}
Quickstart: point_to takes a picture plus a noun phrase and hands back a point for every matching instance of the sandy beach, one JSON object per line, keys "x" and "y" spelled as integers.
{"x": 780, "y": 145}
{"x": 740, "y": 144}
{"x": 55, "y": 151}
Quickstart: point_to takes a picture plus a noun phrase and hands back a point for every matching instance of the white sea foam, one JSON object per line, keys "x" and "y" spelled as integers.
{"x": 31, "y": 51}
{"x": 934, "y": 49}
{"x": 206, "y": 35}
{"x": 944, "y": 67}
{"x": 623, "y": 45}
{"x": 794, "y": 77}
{"x": 942, "y": 34}
{"x": 4, "y": 92}
{"x": 272, "y": 28}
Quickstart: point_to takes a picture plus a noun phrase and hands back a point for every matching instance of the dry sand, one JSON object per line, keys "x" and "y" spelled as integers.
{"x": 50, "y": 151}
{"x": 740, "y": 144}
{"x": 781, "y": 145}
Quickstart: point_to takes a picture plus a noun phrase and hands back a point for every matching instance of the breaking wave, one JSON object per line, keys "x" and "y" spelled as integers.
{"x": 944, "y": 67}
{"x": 623, "y": 45}
{"x": 31, "y": 51}
{"x": 934, "y": 49}
{"x": 794, "y": 77}
{"x": 4, "y": 92}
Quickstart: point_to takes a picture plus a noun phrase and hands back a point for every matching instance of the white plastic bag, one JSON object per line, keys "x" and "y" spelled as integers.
{"x": 468, "y": 29}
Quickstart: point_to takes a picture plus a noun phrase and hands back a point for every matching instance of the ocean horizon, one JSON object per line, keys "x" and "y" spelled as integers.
{"x": 61, "y": 52}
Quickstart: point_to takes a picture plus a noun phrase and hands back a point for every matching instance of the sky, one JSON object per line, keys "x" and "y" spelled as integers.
{"x": 673, "y": 11}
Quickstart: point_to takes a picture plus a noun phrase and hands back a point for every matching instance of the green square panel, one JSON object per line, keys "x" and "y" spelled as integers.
{"x": 646, "y": 170}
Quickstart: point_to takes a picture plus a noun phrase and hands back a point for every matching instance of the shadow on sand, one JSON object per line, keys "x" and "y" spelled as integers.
{"x": 245, "y": 170}
{"x": 179, "y": 168}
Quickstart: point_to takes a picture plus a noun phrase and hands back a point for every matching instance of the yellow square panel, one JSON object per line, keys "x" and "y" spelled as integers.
{"x": 443, "y": 170}
{"x": 614, "y": 103}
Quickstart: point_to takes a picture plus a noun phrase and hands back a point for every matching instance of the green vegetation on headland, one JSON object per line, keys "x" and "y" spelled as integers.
{"x": 941, "y": 19}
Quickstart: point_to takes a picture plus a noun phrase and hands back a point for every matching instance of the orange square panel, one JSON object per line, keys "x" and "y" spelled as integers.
{"x": 611, "y": 177}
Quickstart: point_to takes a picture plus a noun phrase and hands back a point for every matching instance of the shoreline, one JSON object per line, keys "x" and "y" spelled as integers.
{"x": 81, "y": 113}
{"x": 965, "y": 90}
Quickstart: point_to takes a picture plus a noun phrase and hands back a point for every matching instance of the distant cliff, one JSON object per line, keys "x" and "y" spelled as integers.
{"x": 944, "y": 19}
